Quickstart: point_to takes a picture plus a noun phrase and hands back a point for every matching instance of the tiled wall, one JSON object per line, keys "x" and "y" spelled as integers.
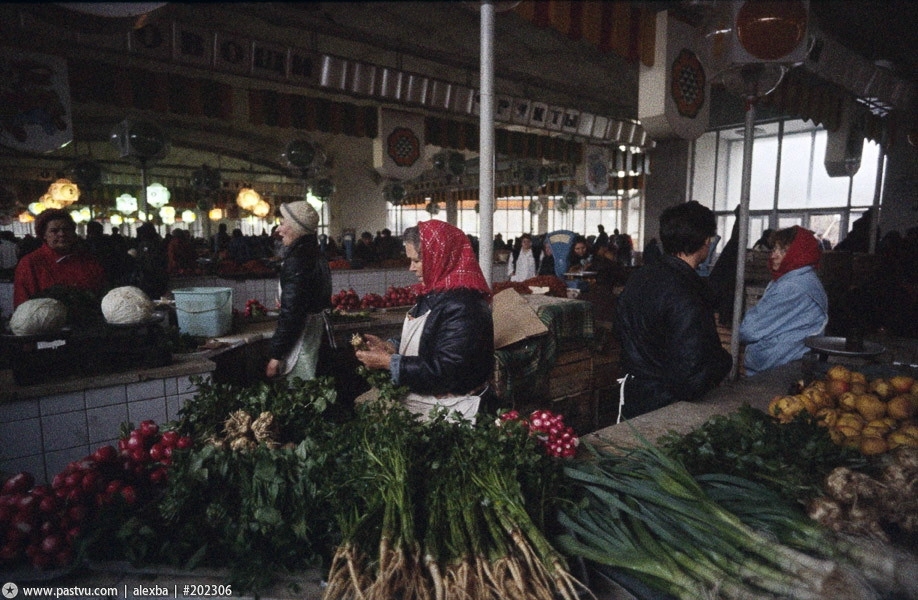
{"x": 43, "y": 435}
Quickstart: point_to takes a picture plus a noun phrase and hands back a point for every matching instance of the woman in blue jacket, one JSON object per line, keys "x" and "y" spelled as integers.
{"x": 793, "y": 307}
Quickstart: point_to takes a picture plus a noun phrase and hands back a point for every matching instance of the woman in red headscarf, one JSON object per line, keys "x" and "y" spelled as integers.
{"x": 445, "y": 354}
{"x": 793, "y": 307}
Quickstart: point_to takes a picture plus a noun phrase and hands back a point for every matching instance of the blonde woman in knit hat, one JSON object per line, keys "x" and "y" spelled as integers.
{"x": 305, "y": 292}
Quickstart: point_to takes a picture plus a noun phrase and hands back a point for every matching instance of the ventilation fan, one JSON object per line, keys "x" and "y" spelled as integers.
{"x": 570, "y": 198}
{"x": 86, "y": 173}
{"x": 205, "y": 180}
{"x": 301, "y": 154}
{"x": 323, "y": 189}
{"x": 432, "y": 208}
{"x": 535, "y": 207}
{"x": 395, "y": 193}
{"x": 144, "y": 141}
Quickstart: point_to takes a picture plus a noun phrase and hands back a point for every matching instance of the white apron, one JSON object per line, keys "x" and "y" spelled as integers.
{"x": 304, "y": 356}
{"x": 419, "y": 404}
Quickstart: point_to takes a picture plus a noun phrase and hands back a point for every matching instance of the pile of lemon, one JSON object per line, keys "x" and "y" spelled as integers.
{"x": 874, "y": 416}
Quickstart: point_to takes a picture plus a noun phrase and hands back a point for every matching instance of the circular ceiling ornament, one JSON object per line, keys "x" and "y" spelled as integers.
{"x": 687, "y": 84}
{"x": 403, "y": 147}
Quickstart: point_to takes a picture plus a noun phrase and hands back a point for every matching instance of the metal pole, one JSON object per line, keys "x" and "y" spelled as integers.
{"x": 486, "y": 147}
{"x": 143, "y": 191}
{"x": 877, "y": 195}
{"x": 739, "y": 287}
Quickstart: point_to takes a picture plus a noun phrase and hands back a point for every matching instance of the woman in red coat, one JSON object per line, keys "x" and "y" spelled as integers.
{"x": 59, "y": 261}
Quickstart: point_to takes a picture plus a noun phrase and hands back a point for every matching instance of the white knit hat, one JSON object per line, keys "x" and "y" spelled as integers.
{"x": 300, "y": 215}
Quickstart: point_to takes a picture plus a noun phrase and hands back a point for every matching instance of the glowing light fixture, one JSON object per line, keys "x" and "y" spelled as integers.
{"x": 64, "y": 192}
{"x": 79, "y": 216}
{"x": 262, "y": 209}
{"x": 36, "y": 207}
{"x": 215, "y": 214}
{"x": 48, "y": 201}
{"x": 167, "y": 214}
{"x": 158, "y": 195}
{"x": 116, "y": 220}
{"x": 26, "y": 217}
{"x": 126, "y": 204}
{"x": 248, "y": 198}
{"x": 188, "y": 216}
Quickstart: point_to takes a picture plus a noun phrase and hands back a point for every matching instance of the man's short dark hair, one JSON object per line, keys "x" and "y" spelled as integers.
{"x": 686, "y": 227}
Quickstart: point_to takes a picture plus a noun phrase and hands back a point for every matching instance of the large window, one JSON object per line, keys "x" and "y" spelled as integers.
{"x": 789, "y": 183}
{"x": 513, "y": 217}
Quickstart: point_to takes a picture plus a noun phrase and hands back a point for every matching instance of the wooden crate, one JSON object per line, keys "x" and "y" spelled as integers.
{"x": 606, "y": 370}
{"x": 572, "y": 373}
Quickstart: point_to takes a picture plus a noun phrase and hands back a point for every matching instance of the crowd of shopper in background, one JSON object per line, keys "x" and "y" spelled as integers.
{"x": 149, "y": 260}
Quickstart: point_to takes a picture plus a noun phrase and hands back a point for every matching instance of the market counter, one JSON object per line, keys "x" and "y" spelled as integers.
{"x": 900, "y": 354}
{"x": 684, "y": 417}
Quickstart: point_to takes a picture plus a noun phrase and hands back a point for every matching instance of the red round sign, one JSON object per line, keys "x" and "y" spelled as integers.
{"x": 769, "y": 30}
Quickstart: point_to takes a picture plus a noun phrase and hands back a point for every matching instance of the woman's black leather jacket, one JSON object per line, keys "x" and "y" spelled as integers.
{"x": 456, "y": 349}
{"x": 305, "y": 282}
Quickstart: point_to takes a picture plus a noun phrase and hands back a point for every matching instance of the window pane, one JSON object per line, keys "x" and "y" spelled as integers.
{"x": 796, "y": 158}
{"x": 730, "y": 175}
{"x": 764, "y": 163}
{"x": 825, "y": 226}
{"x": 705, "y": 158}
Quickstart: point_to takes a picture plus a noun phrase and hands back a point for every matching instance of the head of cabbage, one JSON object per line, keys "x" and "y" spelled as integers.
{"x": 127, "y": 305}
{"x": 38, "y": 316}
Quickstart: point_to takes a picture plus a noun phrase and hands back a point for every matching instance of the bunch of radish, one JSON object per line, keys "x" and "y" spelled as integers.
{"x": 399, "y": 296}
{"x": 549, "y": 428}
{"x": 346, "y": 300}
{"x": 40, "y": 523}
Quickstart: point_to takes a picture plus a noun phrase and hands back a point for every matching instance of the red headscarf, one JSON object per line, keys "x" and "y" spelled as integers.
{"x": 449, "y": 260}
{"x": 803, "y": 251}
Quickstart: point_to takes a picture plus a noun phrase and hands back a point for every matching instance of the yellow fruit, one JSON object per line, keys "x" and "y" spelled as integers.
{"x": 839, "y": 372}
{"x": 873, "y": 445}
{"x": 869, "y": 431}
{"x": 848, "y": 401}
{"x": 851, "y": 419}
{"x": 881, "y": 388}
{"x": 902, "y": 407}
{"x": 902, "y": 383}
{"x": 837, "y": 387}
{"x": 848, "y": 431}
{"x": 858, "y": 377}
{"x": 870, "y": 407}
{"x": 838, "y": 437}
{"x": 899, "y": 438}
{"x": 909, "y": 429}
{"x": 914, "y": 389}
{"x": 827, "y": 416}
{"x": 859, "y": 387}
{"x": 882, "y": 424}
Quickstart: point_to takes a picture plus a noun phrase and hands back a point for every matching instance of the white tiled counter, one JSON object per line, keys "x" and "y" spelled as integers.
{"x": 43, "y": 427}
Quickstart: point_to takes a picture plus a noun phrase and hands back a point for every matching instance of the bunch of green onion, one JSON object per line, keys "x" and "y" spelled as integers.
{"x": 642, "y": 513}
